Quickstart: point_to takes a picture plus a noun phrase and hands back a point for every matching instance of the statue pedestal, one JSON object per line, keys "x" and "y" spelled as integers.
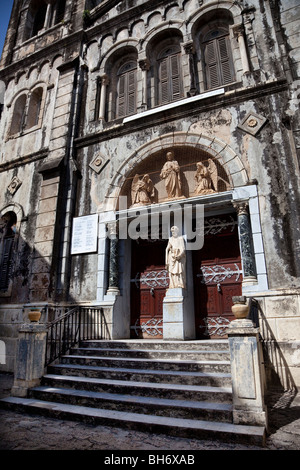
{"x": 177, "y": 323}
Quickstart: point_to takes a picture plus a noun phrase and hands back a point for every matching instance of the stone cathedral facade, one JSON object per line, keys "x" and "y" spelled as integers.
{"x": 121, "y": 112}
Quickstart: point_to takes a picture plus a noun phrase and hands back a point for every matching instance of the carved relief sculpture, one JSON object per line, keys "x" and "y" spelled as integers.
{"x": 206, "y": 178}
{"x": 171, "y": 174}
{"x": 175, "y": 260}
{"x": 142, "y": 190}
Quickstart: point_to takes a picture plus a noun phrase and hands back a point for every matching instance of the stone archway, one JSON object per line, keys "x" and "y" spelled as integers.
{"x": 231, "y": 168}
{"x": 189, "y": 149}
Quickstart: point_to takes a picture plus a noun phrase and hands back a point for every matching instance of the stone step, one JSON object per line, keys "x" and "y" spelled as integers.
{"x": 137, "y": 404}
{"x": 153, "y": 364}
{"x": 154, "y": 353}
{"x": 190, "y": 428}
{"x": 194, "y": 345}
{"x": 143, "y": 375}
{"x": 172, "y": 391}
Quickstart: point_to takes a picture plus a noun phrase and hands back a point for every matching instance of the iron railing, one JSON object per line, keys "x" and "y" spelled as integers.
{"x": 77, "y": 324}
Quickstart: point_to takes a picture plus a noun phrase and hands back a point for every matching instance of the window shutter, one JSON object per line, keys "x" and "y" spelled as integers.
{"x": 225, "y": 60}
{"x": 131, "y": 92}
{"x": 164, "y": 82}
{"x": 169, "y": 79}
{"x": 121, "y": 96}
{"x": 127, "y": 93}
{"x": 174, "y": 60}
{"x": 217, "y": 57}
{"x": 212, "y": 69}
{"x": 6, "y": 263}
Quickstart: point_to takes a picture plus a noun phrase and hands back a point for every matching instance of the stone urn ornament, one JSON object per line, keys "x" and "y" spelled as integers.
{"x": 34, "y": 314}
{"x": 240, "y": 307}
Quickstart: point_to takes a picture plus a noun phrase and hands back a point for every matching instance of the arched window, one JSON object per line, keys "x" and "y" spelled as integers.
{"x": 126, "y": 94}
{"x": 18, "y": 115}
{"x": 39, "y": 19}
{"x": 7, "y": 238}
{"x": 217, "y": 57}
{"x": 27, "y": 111}
{"x": 43, "y": 14}
{"x": 169, "y": 75}
{"x": 60, "y": 7}
{"x": 34, "y": 108}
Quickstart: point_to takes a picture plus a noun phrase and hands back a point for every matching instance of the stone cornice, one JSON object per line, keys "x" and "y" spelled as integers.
{"x": 22, "y": 64}
{"x": 104, "y": 7}
{"x": 190, "y": 108}
{"x": 21, "y": 161}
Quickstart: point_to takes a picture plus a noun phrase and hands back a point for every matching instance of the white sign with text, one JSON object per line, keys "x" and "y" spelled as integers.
{"x": 84, "y": 234}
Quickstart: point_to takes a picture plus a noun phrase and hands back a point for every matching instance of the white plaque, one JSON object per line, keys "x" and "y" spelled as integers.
{"x": 84, "y": 234}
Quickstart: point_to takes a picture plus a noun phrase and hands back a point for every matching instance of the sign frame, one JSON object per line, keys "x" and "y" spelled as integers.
{"x": 84, "y": 234}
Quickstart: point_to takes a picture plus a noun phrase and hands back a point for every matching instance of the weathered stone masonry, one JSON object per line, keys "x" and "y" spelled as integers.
{"x": 94, "y": 108}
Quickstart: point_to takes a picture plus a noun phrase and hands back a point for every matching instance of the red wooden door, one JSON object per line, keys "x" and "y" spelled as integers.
{"x": 149, "y": 282}
{"x": 217, "y": 278}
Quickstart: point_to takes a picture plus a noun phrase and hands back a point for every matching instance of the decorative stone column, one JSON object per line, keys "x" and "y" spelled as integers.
{"x": 144, "y": 65}
{"x": 190, "y": 50}
{"x": 238, "y": 31}
{"x": 248, "y": 258}
{"x": 30, "y": 360}
{"x": 113, "y": 284}
{"x": 247, "y": 372}
{"x": 48, "y": 15}
{"x": 104, "y": 82}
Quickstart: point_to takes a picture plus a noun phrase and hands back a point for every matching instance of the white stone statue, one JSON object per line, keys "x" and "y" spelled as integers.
{"x": 142, "y": 190}
{"x": 175, "y": 259}
{"x": 171, "y": 174}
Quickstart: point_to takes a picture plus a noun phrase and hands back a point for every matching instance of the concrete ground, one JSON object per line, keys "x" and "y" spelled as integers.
{"x": 19, "y": 431}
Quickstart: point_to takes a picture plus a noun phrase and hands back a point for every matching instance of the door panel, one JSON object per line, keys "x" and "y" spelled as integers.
{"x": 149, "y": 282}
{"x": 217, "y": 278}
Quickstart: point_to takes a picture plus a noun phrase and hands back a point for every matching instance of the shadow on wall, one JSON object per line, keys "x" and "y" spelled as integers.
{"x": 278, "y": 375}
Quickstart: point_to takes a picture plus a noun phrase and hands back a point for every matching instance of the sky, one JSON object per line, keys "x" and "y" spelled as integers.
{"x": 5, "y": 11}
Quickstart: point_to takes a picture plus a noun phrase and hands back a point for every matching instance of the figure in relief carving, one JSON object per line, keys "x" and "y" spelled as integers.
{"x": 171, "y": 174}
{"x": 142, "y": 190}
{"x": 206, "y": 178}
{"x": 175, "y": 259}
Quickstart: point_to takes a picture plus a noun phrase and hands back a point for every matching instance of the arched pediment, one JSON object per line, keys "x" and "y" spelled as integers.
{"x": 222, "y": 166}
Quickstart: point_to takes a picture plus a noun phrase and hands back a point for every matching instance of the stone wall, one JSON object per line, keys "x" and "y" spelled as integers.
{"x": 76, "y": 158}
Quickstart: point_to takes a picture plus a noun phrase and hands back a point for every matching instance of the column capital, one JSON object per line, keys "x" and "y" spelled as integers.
{"x": 242, "y": 207}
{"x": 238, "y": 30}
{"x": 104, "y": 79}
{"x": 112, "y": 228}
{"x": 144, "y": 64}
{"x": 189, "y": 47}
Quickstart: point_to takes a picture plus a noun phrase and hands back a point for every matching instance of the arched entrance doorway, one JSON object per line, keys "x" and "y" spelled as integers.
{"x": 214, "y": 272}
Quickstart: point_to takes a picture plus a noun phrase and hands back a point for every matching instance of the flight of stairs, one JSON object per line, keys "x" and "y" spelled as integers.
{"x": 180, "y": 388}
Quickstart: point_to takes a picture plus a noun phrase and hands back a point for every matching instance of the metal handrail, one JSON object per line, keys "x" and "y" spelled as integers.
{"x": 78, "y": 324}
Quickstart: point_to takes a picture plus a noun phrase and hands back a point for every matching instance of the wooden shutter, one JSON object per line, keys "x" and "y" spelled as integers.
{"x": 121, "y": 96}
{"x": 218, "y": 62}
{"x": 175, "y": 77}
{"x": 212, "y": 69}
{"x": 224, "y": 54}
{"x": 127, "y": 93}
{"x": 5, "y": 268}
{"x": 164, "y": 80}
{"x": 131, "y": 101}
{"x": 169, "y": 79}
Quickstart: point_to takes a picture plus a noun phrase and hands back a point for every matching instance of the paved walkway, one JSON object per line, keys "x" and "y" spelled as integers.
{"x": 30, "y": 432}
